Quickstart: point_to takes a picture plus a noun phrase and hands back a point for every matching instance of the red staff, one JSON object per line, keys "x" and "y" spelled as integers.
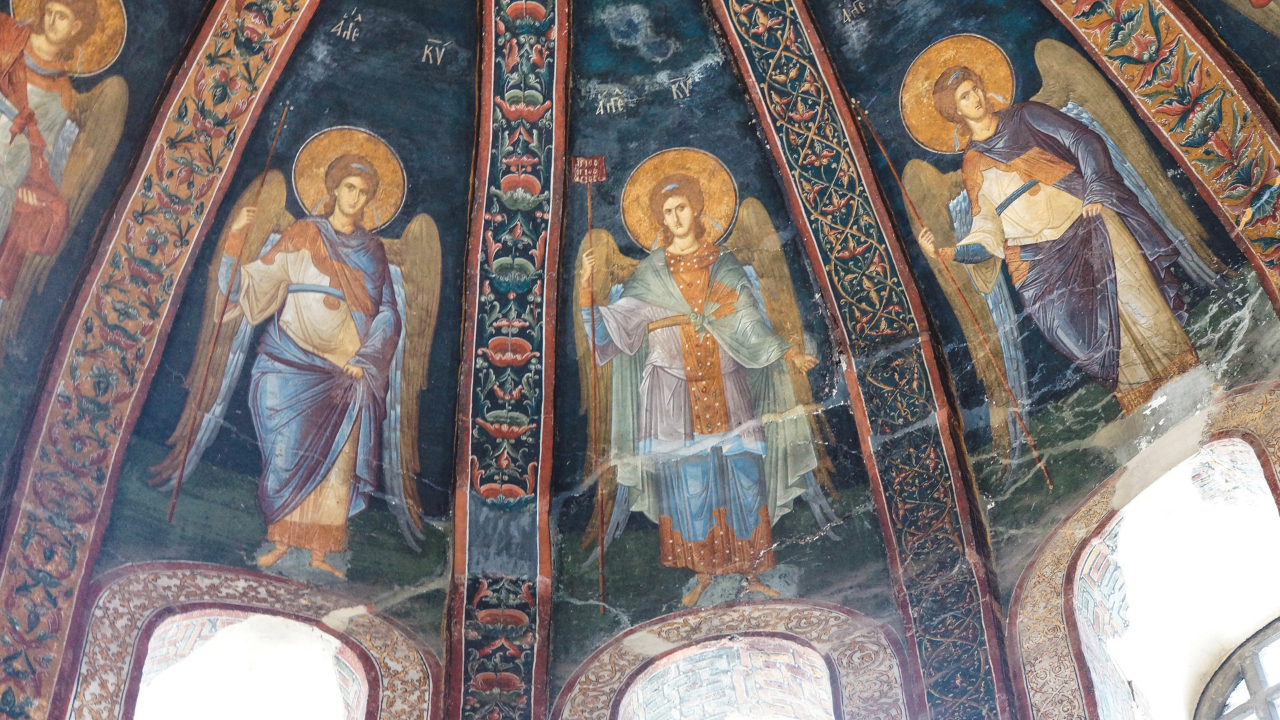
{"x": 196, "y": 419}
{"x": 588, "y": 170}
{"x": 996, "y": 362}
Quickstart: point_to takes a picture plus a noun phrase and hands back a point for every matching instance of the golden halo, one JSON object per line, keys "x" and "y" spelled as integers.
{"x": 719, "y": 193}
{"x": 322, "y": 148}
{"x": 101, "y": 48}
{"x": 925, "y": 125}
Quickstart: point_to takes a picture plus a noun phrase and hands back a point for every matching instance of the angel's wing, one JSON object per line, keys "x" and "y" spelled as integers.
{"x": 612, "y": 268}
{"x": 931, "y": 192}
{"x": 1072, "y": 84}
{"x": 756, "y": 244}
{"x": 99, "y": 114}
{"x": 212, "y": 375}
{"x": 415, "y": 269}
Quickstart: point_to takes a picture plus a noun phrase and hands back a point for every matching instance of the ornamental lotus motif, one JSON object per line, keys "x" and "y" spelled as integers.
{"x": 527, "y": 105}
{"x": 512, "y": 275}
{"x": 506, "y": 424}
{"x": 508, "y": 351}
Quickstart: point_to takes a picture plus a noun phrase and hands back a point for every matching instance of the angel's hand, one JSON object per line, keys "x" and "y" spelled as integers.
{"x": 589, "y": 266}
{"x": 354, "y": 371}
{"x": 1093, "y": 210}
{"x": 801, "y": 360}
{"x": 244, "y": 218}
{"x": 585, "y": 290}
{"x": 28, "y": 197}
{"x": 926, "y": 241}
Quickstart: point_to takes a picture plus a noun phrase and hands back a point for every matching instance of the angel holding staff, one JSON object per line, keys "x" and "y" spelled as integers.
{"x": 1091, "y": 261}
{"x": 333, "y": 393}
{"x": 705, "y": 433}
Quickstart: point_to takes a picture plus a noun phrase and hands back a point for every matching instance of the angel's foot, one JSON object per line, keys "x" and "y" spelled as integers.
{"x": 317, "y": 561}
{"x": 271, "y": 558}
{"x": 704, "y": 582}
{"x": 754, "y": 585}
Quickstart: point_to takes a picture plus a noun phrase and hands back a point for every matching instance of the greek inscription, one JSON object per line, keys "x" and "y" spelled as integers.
{"x": 611, "y": 103}
{"x": 433, "y": 51}
{"x": 348, "y": 28}
{"x": 681, "y": 88}
{"x": 854, "y": 10}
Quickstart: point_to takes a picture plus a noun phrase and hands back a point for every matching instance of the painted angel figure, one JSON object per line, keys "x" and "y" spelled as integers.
{"x": 1088, "y": 242}
{"x": 705, "y": 434}
{"x": 55, "y": 142}
{"x": 349, "y": 317}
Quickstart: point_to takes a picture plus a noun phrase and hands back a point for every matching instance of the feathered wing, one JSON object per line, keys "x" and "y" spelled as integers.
{"x": 1068, "y": 77}
{"x": 415, "y": 261}
{"x": 931, "y": 193}
{"x": 100, "y": 116}
{"x": 212, "y": 375}
{"x": 612, "y": 268}
{"x": 755, "y": 242}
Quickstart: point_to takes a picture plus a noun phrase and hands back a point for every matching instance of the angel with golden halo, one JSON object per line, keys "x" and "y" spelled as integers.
{"x": 1061, "y": 197}
{"x": 350, "y": 317}
{"x": 701, "y": 372}
{"x": 55, "y": 142}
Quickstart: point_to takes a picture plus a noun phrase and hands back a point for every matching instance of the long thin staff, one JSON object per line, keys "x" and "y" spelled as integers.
{"x": 588, "y": 170}
{"x": 986, "y": 345}
{"x": 196, "y": 419}
{"x": 595, "y": 407}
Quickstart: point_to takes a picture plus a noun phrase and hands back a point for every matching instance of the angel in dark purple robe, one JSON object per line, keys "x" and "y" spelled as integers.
{"x": 1093, "y": 269}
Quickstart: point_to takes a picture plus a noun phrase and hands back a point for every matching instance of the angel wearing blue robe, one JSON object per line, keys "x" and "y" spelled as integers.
{"x": 328, "y": 393}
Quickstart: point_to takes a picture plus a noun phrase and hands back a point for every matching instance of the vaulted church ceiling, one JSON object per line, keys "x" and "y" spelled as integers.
{"x": 584, "y": 359}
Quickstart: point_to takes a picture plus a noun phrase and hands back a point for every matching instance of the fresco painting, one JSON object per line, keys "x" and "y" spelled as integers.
{"x": 299, "y": 432}
{"x": 710, "y": 490}
{"x": 596, "y": 358}
{"x": 76, "y": 107}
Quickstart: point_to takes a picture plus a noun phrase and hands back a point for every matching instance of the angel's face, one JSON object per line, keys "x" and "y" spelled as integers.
{"x": 971, "y": 100}
{"x": 352, "y": 194}
{"x": 677, "y": 215}
{"x": 60, "y": 24}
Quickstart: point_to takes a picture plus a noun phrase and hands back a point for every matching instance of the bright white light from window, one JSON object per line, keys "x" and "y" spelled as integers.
{"x": 265, "y": 668}
{"x": 1269, "y": 659}
{"x": 1200, "y": 552}
{"x": 1238, "y": 696}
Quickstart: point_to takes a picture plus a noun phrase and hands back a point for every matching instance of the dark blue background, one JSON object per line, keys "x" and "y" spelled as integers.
{"x": 426, "y": 113}
{"x": 1255, "y": 46}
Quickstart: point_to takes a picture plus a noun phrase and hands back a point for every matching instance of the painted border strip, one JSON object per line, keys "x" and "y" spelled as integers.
{"x": 499, "y": 612}
{"x": 909, "y": 437}
{"x": 1219, "y": 133}
{"x": 112, "y": 343}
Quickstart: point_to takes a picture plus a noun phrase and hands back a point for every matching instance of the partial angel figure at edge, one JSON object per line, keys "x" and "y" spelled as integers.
{"x": 1075, "y": 207}
{"x": 350, "y": 318}
{"x": 701, "y": 417}
{"x": 55, "y": 142}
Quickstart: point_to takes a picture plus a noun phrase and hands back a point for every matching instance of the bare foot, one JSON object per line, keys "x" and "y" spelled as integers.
{"x": 317, "y": 561}
{"x": 272, "y": 557}
{"x": 704, "y": 582}
{"x": 754, "y": 585}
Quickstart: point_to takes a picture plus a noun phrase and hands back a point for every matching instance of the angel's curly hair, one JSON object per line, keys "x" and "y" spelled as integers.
{"x": 944, "y": 95}
{"x": 343, "y": 167}
{"x": 85, "y": 12}
{"x": 677, "y": 185}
